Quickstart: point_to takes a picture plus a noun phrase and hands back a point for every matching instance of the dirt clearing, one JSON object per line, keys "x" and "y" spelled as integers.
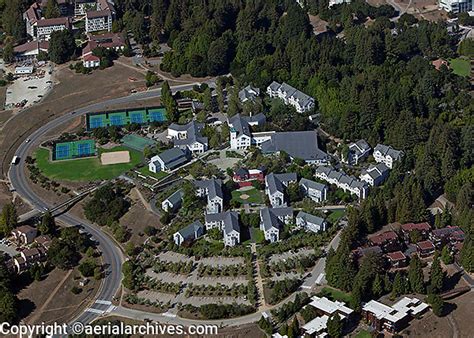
{"x": 115, "y": 157}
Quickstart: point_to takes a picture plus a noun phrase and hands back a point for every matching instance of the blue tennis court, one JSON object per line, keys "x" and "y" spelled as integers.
{"x": 157, "y": 115}
{"x": 84, "y": 149}
{"x": 62, "y": 151}
{"x": 116, "y": 120}
{"x": 96, "y": 122}
{"x": 73, "y": 149}
{"x": 136, "y": 118}
{"x": 122, "y": 118}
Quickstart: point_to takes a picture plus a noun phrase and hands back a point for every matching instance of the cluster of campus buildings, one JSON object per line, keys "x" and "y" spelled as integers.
{"x": 379, "y": 316}
{"x": 97, "y": 16}
{"x": 188, "y": 141}
{"x": 272, "y": 219}
{"x": 32, "y": 248}
{"x": 399, "y": 246}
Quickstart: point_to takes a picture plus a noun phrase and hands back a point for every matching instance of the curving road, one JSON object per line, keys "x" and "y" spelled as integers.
{"x": 111, "y": 254}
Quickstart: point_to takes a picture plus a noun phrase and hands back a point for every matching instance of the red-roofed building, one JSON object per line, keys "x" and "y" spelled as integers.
{"x": 397, "y": 259}
{"x": 448, "y": 235}
{"x": 425, "y": 248}
{"x": 423, "y": 228}
{"x": 91, "y": 61}
{"x": 244, "y": 177}
{"x": 439, "y": 62}
{"x": 388, "y": 241}
{"x": 109, "y": 40}
{"x": 30, "y": 50}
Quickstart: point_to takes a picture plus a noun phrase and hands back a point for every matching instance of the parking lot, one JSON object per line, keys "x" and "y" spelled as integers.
{"x": 30, "y": 88}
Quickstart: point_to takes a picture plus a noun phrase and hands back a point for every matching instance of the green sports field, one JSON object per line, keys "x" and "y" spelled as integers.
{"x": 254, "y": 196}
{"x": 86, "y": 169}
{"x": 461, "y": 67}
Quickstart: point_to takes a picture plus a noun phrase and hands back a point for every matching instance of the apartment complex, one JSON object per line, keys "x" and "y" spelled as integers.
{"x": 291, "y": 96}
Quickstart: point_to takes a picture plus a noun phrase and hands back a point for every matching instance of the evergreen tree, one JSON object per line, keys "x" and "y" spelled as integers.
{"x": 220, "y": 95}
{"x": 47, "y": 225}
{"x": 446, "y": 256}
{"x": 52, "y": 10}
{"x": 62, "y": 46}
{"x": 8, "y": 219}
{"x": 207, "y": 99}
{"x": 12, "y": 21}
{"x": 437, "y": 276}
{"x": 8, "y": 52}
{"x": 399, "y": 286}
{"x": 377, "y": 286}
{"x": 335, "y": 326}
{"x": 467, "y": 254}
{"x": 294, "y": 329}
{"x": 234, "y": 101}
{"x": 437, "y": 304}
{"x": 415, "y": 275}
{"x": 169, "y": 102}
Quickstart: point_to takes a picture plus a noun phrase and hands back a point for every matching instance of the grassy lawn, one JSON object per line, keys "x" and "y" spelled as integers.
{"x": 87, "y": 169}
{"x": 255, "y": 196}
{"x": 461, "y": 67}
{"x": 336, "y": 294}
{"x": 258, "y": 235}
{"x": 335, "y": 216}
{"x": 159, "y": 175}
{"x": 363, "y": 334}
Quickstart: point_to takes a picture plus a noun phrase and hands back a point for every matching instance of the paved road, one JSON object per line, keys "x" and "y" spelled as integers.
{"x": 317, "y": 274}
{"x": 112, "y": 256}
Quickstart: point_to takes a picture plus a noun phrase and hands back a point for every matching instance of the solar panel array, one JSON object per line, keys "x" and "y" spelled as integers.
{"x": 121, "y": 118}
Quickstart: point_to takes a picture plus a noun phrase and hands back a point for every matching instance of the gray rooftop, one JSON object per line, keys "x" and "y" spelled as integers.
{"x": 312, "y": 184}
{"x": 175, "y": 197}
{"x": 310, "y": 218}
{"x": 190, "y": 230}
{"x": 276, "y": 182}
{"x": 249, "y": 93}
{"x": 388, "y": 150}
{"x": 298, "y": 144}
{"x": 269, "y": 217}
{"x": 359, "y": 147}
{"x": 173, "y": 157}
{"x": 376, "y": 171}
{"x": 193, "y": 130}
{"x": 241, "y": 123}
{"x": 214, "y": 187}
{"x": 229, "y": 218}
{"x": 291, "y": 91}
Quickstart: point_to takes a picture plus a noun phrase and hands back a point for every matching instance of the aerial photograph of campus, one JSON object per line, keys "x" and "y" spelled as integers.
{"x": 237, "y": 168}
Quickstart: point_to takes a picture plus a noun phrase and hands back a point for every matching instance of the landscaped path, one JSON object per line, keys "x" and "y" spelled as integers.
{"x": 262, "y": 305}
